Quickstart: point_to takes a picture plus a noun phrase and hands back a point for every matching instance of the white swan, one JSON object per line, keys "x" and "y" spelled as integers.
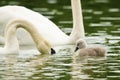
{"x": 11, "y": 42}
{"x": 83, "y": 50}
{"x": 47, "y": 28}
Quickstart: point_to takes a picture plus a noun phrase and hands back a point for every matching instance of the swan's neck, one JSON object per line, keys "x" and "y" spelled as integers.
{"x": 78, "y": 27}
{"x": 42, "y": 44}
{"x": 11, "y": 42}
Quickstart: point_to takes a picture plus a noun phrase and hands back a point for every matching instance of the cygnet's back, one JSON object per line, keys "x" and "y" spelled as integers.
{"x": 83, "y": 50}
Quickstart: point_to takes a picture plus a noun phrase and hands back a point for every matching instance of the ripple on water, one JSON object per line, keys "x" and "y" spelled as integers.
{"x": 101, "y": 24}
{"x": 114, "y": 10}
{"x": 52, "y": 1}
{"x": 102, "y": 1}
{"x": 110, "y": 18}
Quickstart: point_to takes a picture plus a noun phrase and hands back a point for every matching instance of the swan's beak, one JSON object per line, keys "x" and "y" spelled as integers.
{"x": 52, "y": 51}
{"x": 76, "y": 49}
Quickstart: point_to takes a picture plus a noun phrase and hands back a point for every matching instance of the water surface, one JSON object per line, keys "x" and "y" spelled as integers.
{"x": 102, "y": 27}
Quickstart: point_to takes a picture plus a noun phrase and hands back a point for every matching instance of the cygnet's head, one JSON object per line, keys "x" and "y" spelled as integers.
{"x": 81, "y": 43}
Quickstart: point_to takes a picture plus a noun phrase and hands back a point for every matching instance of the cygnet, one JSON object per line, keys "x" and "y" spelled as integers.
{"x": 83, "y": 50}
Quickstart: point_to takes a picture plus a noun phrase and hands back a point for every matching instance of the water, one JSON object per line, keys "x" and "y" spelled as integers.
{"x": 101, "y": 21}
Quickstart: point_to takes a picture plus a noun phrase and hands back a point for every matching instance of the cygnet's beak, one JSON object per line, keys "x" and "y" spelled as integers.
{"x": 52, "y": 51}
{"x": 76, "y": 49}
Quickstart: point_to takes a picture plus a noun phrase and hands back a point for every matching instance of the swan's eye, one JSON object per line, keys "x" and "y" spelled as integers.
{"x": 52, "y": 51}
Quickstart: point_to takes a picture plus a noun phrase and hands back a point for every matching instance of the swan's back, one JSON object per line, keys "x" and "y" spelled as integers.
{"x": 100, "y": 51}
{"x": 47, "y": 28}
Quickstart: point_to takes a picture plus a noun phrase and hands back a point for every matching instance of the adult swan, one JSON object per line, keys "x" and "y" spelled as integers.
{"x": 47, "y": 28}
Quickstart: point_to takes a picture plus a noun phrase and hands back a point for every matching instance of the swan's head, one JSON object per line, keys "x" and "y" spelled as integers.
{"x": 45, "y": 47}
{"x": 81, "y": 43}
{"x": 52, "y": 51}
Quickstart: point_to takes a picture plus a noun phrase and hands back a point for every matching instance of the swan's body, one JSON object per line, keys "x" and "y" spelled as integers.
{"x": 47, "y": 28}
{"x": 83, "y": 50}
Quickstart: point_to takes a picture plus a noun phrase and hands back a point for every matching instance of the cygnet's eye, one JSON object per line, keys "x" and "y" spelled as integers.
{"x": 78, "y": 44}
{"x": 52, "y": 51}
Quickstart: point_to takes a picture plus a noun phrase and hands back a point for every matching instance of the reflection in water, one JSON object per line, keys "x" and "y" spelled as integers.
{"x": 102, "y": 26}
{"x": 89, "y": 68}
{"x": 19, "y": 67}
{"x": 7, "y": 63}
{"x": 56, "y": 67}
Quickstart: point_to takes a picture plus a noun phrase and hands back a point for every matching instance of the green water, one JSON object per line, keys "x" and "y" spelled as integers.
{"x": 102, "y": 27}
